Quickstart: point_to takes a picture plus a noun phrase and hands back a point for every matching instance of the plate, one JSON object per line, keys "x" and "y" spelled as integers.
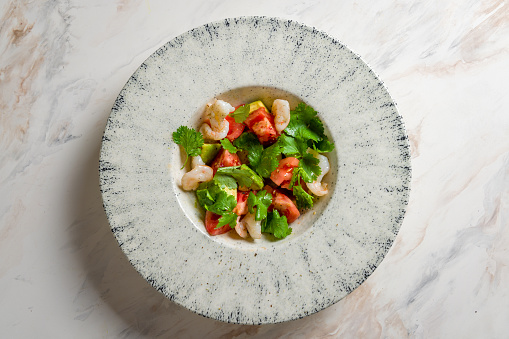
{"x": 333, "y": 248}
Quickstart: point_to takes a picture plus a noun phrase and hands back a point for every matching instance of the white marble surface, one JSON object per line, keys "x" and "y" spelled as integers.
{"x": 63, "y": 63}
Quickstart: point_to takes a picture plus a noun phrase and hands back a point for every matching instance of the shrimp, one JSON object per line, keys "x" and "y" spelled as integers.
{"x": 317, "y": 187}
{"x": 212, "y": 134}
{"x": 217, "y": 127}
{"x": 217, "y": 112}
{"x": 196, "y": 161}
{"x": 254, "y": 227}
{"x": 197, "y": 175}
{"x": 241, "y": 228}
{"x": 281, "y": 111}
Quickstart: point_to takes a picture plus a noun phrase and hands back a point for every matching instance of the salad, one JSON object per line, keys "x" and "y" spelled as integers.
{"x": 254, "y": 170}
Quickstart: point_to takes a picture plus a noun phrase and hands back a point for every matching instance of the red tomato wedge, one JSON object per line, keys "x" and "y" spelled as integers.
{"x": 286, "y": 184}
{"x": 211, "y": 221}
{"x": 283, "y": 204}
{"x": 225, "y": 159}
{"x": 284, "y": 171}
{"x": 241, "y": 207}
{"x": 262, "y": 124}
{"x": 235, "y": 129}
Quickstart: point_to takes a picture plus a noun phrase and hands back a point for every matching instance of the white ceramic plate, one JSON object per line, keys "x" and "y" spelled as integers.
{"x": 333, "y": 248}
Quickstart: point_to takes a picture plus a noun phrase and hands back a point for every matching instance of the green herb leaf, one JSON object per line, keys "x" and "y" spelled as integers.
{"x": 227, "y": 219}
{"x": 302, "y": 146}
{"x": 204, "y": 195}
{"x": 298, "y": 129}
{"x": 294, "y": 125}
{"x": 309, "y": 166}
{"x": 223, "y": 203}
{"x": 227, "y": 145}
{"x": 190, "y": 140}
{"x": 323, "y": 146}
{"x": 261, "y": 201}
{"x": 303, "y": 199}
{"x": 276, "y": 225}
{"x": 316, "y": 126}
{"x": 288, "y": 145}
{"x": 241, "y": 113}
{"x": 269, "y": 161}
{"x": 295, "y": 177}
{"x": 245, "y": 176}
{"x": 306, "y": 126}
{"x": 250, "y": 143}
{"x": 214, "y": 197}
{"x": 305, "y": 112}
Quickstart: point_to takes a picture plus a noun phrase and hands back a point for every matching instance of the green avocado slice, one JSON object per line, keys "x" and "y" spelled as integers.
{"x": 209, "y": 152}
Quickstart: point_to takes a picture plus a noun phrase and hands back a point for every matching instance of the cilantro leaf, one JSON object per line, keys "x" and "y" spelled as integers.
{"x": 302, "y": 146}
{"x": 323, "y": 146}
{"x": 227, "y": 145}
{"x": 227, "y": 219}
{"x": 288, "y": 145}
{"x": 306, "y": 126}
{"x": 276, "y": 225}
{"x": 269, "y": 161}
{"x": 241, "y": 113}
{"x": 316, "y": 126}
{"x": 305, "y": 133}
{"x": 250, "y": 143}
{"x": 214, "y": 197}
{"x": 261, "y": 201}
{"x": 204, "y": 195}
{"x": 303, "y": 199}
{"x": 223, "y": 203}
{"x": 190, "y": 140}
{"x": 295, "y": 180}
{"x": 294, "y": 125}
{"x": 309, "y": 167}
{"x": 305, "y": 112}
{"x": 245, "y": 176}
{"x": 297, "y": 128}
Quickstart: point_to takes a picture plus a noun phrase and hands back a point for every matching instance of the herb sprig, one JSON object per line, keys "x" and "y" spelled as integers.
{"x": 190, "y": 140}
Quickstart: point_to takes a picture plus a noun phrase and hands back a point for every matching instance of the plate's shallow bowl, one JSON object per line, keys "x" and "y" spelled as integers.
{"x": 330, "y": 252}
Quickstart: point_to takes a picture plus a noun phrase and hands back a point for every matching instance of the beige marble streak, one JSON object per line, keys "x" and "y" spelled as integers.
{"x": 21, "y": 63}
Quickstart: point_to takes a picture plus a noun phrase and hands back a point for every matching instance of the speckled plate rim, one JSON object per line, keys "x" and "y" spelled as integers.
{"x": 297, "y": 277}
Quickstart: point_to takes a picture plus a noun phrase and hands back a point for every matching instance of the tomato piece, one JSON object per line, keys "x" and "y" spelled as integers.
{"x": 241, "y": 207}
{"x": 235, "y": 129}
{"x": 211, "y": 221}
{"x": 286, "y": 184}
{"x": 269, "y": 189}
{"x": 284, "y": 170}
{"x": 261, "y": 123}
{"x": 225, "y": 159}
{"x": 285, "y": 206}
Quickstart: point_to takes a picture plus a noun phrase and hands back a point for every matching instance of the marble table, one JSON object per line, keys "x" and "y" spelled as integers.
{"x": 62, "y": 64}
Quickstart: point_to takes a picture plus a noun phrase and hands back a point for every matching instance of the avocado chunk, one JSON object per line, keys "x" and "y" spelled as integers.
{"x": 255, "y": 105}
{"x": 245, "y": 176}
{"x": 209, "y": 152}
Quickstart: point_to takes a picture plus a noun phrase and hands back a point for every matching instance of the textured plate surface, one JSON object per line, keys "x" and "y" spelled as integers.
{"x": 251, "y": 282}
